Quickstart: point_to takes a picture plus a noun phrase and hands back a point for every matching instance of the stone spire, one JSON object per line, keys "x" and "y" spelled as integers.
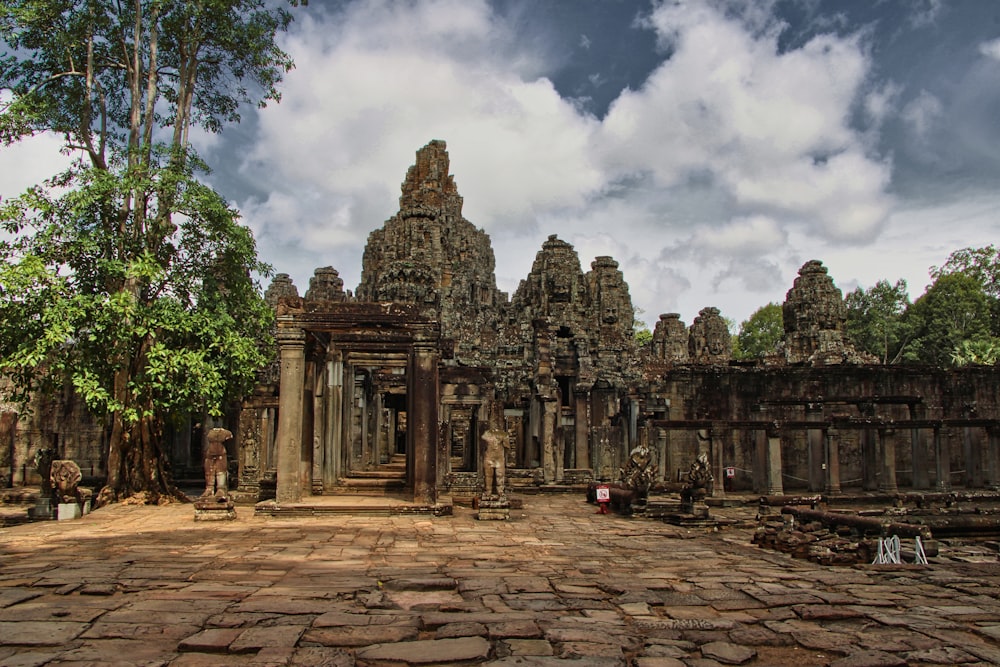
{"x": 429, "y": 255}
{"x": 709, "y": 341}
{"x": 815, "y": 320}
{"x": 429, "y": 189}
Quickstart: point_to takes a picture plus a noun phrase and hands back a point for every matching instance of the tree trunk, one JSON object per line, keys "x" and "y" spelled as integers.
{"x": 138, "y": 466}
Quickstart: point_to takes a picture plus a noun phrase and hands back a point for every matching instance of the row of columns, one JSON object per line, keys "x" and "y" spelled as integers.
{"x": 879, "y": 460}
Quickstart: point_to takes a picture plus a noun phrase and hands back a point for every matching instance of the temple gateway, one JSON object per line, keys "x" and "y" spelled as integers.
{"x": 388, "y": 390}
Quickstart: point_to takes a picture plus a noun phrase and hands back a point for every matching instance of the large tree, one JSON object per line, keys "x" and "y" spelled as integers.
{"x": 760, "y": 334}
{"x": 875, "y": 321}
{"x": 954, "y": 309}
{"x": 126, "y": 276}
{"x": 983, "y": 265}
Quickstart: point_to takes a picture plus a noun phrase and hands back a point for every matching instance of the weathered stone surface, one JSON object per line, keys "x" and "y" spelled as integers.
{"x": 40, "y": 633}
{"x": 869, "y": 659}
{"x": 728, "y": 653}
{"x": 359, "y": 635}
{"x": 427, "y": 651}
{"x": 211, "y": 640}
{"x": 253, "y": 639}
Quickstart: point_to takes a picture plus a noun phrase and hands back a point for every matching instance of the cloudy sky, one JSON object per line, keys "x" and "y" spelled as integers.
{"x": 710, "y": 147}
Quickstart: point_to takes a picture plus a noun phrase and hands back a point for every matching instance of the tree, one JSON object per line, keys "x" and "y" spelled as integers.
{"x": 125, "y": 276}
{"x": 875, "y": 321}
{"x": 954, "y": 309}
{"x": 760, "y": 334}
{"x": 982, "y": 264}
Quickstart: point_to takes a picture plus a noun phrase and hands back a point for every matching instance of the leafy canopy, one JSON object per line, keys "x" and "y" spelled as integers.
{"x": 875, "y": 319}
{"x": 760, "y": 334}
{"x": 126, "y": 276}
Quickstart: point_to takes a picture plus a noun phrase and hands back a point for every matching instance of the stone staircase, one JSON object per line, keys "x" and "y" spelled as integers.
{"x": 388, "y": 479}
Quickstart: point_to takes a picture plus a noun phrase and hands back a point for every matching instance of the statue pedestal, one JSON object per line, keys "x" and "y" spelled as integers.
{"x": 214, "y": 509}
{"x": 67, "y": 511}
{"x": 496, "y": 508}
{"x": 42, "y": 511}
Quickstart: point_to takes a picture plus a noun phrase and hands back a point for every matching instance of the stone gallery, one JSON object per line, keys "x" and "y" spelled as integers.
{"x": 389, "y": 389}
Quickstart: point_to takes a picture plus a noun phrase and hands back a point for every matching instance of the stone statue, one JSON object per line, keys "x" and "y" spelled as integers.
{"x": 43, "y": 464}
{"x": 65, "y": 476}
{"x": 639, "y": 471}
{"x": 216, "y": 464}
{"x": 699, "y": 479}
{"x": 496, "y": 442}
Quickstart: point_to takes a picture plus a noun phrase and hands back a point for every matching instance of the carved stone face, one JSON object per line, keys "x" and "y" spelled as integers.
{"x": 610, "y": 315}
{"x": 65, "y": 477}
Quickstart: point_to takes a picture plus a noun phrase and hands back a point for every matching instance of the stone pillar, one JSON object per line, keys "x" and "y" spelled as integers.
{"x": 549, "y": 412}
{"x": 759, "y": 466}
{"x": 582, "y": 428}
{"x": 993, "y": 457}
{"x": 887, "y": 471}
{"x": 918, "y": 453}
{"x": 869, "y": 450}
{"x": 291, "y": 351}
{"x": 775, "y": 487}
{"x": 661, "y": 455}
{"x": 716, "y": 438}
{"x": 971, "y": 452}
{"x": 942, "y": 459}
{"x": 422, "y": 426}
{"x": 334, "y": 420}
{"x": 832, "y": 461}
{"x": 814, "y": 440}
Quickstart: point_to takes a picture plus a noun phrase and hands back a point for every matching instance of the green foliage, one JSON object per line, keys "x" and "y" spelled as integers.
{"x": 760, "y": 334}
{"x": 982, "y": 264}
{"x": 875, "y": 320}
{"x": 187, "y": 325}
{"x": 954, "y": 309}
{"x": 125, "y": 276}
{"x": 983, "y": 351}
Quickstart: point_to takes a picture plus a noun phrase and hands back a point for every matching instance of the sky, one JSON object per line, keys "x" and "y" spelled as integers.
{"x": 710, "y": 147}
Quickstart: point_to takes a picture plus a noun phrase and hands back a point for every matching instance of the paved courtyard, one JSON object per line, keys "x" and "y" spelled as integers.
{"x": 132, "y": 585}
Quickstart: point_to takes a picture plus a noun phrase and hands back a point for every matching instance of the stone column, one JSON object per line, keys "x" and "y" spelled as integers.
{"x": 775, "y": 487}
{"x": 549, "y": 412}
{"x": 716, "y": 437}
{"x": 993, "y": 457}
{"x": 291, "y": 350}
{"x": 973, "y": 477}
{"x": 581, "y": 427}
{"x": 661, "y": 455}
{"x": 942, "y": 459}
{"x": 759, "y": 453}
{"x": 869, "y": 450}
{"x": 422, "y": 427}
{"x": 832, "y": 461}
{"x": 334, "y": 420}
{"x": 814, "y": 438}
{"x": 887, "y": 450}
{"x": 918, "y": 455}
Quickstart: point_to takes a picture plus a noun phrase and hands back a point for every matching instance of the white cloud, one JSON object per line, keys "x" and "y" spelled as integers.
{"x": 698, "y": 181}
{"x": 922, "y": 114}
{"x": 990, "y": 49}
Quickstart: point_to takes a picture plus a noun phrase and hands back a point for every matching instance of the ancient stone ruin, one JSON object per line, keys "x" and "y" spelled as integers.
{"x": 387, "y": 390}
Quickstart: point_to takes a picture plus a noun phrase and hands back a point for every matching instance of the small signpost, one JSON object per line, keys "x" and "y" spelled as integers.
{"x": 603, "y": 498}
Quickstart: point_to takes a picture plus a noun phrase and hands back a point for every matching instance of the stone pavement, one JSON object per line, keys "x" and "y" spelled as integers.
{"x": 131, "y": 585}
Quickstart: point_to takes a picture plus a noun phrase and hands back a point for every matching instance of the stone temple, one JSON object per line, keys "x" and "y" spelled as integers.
{"x": 388, "y": 390}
